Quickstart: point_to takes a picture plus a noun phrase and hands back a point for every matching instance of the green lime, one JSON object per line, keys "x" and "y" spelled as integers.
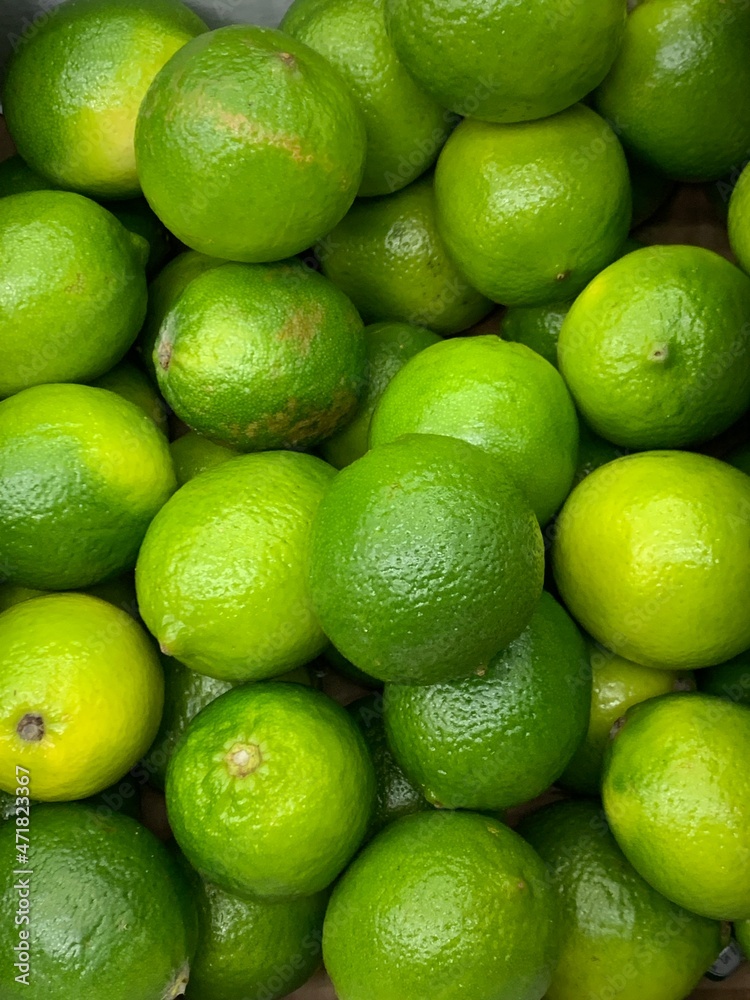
{"x": 271, "y": 790}
{"x": 739, "y": 220}
{"x": 106, "y": 802}
{"x": 262, "y": 356}
{"x": 425, "y": 560}
{"x": 17, "y": 177}
{"x": 109, "y": 912}
{"x": 278, "y": 122}
{"x": 193, "y": 454}
{"x": 74, "y": 86}
{"x": 396, "y": 795}
{"x": 620, "y": 938}
{"x": 649, "y": 557}
{"x": 81, "y": 691}
{"x": 136, "y": 216}
{"x": 500, "y": 396}
{"x": 72, "y": 289}
{"x": 254, "y": 948}
{"x": 443, "y": 905}
{"x": 502, "y": 738}
{"x": 342, "y": 666}
{"x": 132, "y": 383}
{"x": 729, "y": 680}
{"x": 617, "y": 684}
{"x": 12, "y": 594}
{"x": 405, "y": 128}
{"x": 222, "y": 574}
{"x": 740, "y": 458}
{"x": 389, "y": 346}
{"x": 678, "y": 800}
{"x": 506, "y": 61}
{"x": 594, "y": 451}
{"x": 82, "y": 473}
{"x": 531, "y": 212}
{"x": 388, "y": 257}
{"x": 656, "y": 350}
{"x": 672, "y": 91}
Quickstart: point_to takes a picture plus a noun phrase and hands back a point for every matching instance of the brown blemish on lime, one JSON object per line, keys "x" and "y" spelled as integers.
{"x": 288, "y": 58}
{"x": 617, "y": 727}
{"x": 562, "y": 276}
{"x": 302, "y": 327}
{"x": 176, "y": 988}
{"x": 243, "y": 759}
{"x": 164, "y": 352}
{"x": 256, "y": 132}
{"x": 165, "y": 649}
{"x": 659, "y": 352}
{"x": 31, "y": 728}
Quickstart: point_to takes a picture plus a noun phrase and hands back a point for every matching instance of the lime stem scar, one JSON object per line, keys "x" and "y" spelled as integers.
{"x": 31, "y": 727}
{"x": 243, "y": 759}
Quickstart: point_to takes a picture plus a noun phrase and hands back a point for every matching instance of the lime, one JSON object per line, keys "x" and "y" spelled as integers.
{"x": 389, "y": 346}
{"x": 253, "y": 948}
{"x": 679, "y": 804}
{"x": 742, "y": 933}
{"x": 617, "y": 684}
{"x": 728, "y": 680}
{"x": 620, "y": 938}
{"x": 193, "y": 454}
{"x": 74, "y": 86}
{"x": 425, "y": 560}
{"x": 109, "y": 910}
{"x": 650, "y": 558}
{"x": 594, "y": 451}
{"x": 505, "y": 61}
{"x": 81, "y": 693}
{"x": 740, "y": 458}
{"x": 502, "y": 738}
{"x": 120, "y": 591}
{"x": 11, "y": 594}
{"x": 672, "y": 91}
{"x": 222, "y": 573}
{"x": 17, "y": 177}
{"x": 440, "y": 905}
{"x": 405, "y": 128}
{"x": 278, "y": 773}
{"x": 531, "y": 212}
{"x": 131, "y": 382}
{"x": 136, "y": 216}
{"x": 387, "y": 256}
{"x": 72, "y": 289}
{"x": 262, "y": 356}
{"x": 278, "y": 124}
{"x": 739, "y": 220}
{"x": 82, "y": 473}
{"x": 342, "y": 666}
{"x": 656, "y": 350}
{"x": 500, "y": 396}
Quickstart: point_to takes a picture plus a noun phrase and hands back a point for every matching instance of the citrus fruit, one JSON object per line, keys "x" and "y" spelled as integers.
{"x": 132, "y": 383}
{"x": 740, "y": 458}
{"x": 650, "y": 558}
{"x": 17, "y": 177}
{"x": 617, "y": 684}
{"x": 396, "y": 795}
{"x": 271, "y": 790}
{"x": 278, "y": 123}
{"x": 531, "y": 212}
{"x": 120, "y": 591}
{"x": 739, "y": 220}
{"x": 594, "y": 451}
{"x": 222, "y": 574}
{"x": 502, "y": 738}
{"x": 728, "y": 680}
{"x": 500, "y": 396}
{"x": 262, "y": 356}
{"x": 82, "y": 694}
{"x": 193, "y": 454}
{"x": 72, "y": 289}
{"x": 620, "y": 938}
{"x": 742, "y": 933}
{"x": 425, "y": 560}
{"x": 93, "y": 879}
{"x": 82, "y": 473}
{"x": 405, "y": 128}
{"x": 389, "y": 346}
{"x": 74, "y": 86}
{"x": 678, "y": 804}
{"x": 441, "y": 904}
{"x": 387, "y": 256}
{"x": 507, "y": 62}
{"x": 656, "y": 349}
{"x": 342, "y": 666}
{"x": 136, "y": 216}
{"x": 252, "y": 948}
{"x": 11, "y": 594}
{"x": 672, "y": 93}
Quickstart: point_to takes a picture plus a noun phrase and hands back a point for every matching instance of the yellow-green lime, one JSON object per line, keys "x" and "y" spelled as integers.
{"x": 443, "y": 904}
{"x": 388, "y": 257}
{"x": 72, "y": 289}
{"x": 132, "y": 383}
{"x": 500, "y": 396}
{"x": 672, "y": 93}
{"x": 679, "y": 804}
{"x": 17, "y": 177}
{"x": 82, "y": 473}
{"x": 271, "y": 790}
{"x": 650, "y": 558}
{"x": 506, "y": 61}
{"x": 389, "y": 346}
{"x": 531, "y": 212}
{"x": 119, "y": 590}
{"x": 193, "y": 454}
{"x": 261, "y": 356}
{"x": 278, "y": 123}
{"x": 405, "y": 128}
{"x": 620, "y": 938}
{"x": 729, "y": 680}
{"x": 425, "y": 560}
{"x": 222, "y": 574}
{"x": 81, "y": 693}
{"x": 75, "y": 84}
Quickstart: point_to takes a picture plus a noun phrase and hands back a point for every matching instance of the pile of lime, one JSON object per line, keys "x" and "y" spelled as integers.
{"x": 374, "y": 501}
